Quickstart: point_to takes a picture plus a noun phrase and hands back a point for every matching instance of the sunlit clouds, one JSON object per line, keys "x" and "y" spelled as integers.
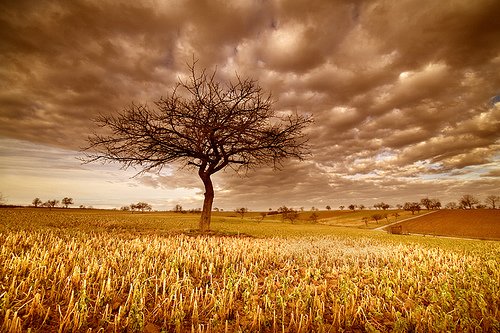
{"x": 404, "y": 95}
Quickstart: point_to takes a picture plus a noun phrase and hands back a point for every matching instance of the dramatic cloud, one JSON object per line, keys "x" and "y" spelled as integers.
{"x": 404, "y": 93}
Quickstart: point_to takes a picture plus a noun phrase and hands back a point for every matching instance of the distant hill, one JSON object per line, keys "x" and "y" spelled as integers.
{"x": 476, "y": 223}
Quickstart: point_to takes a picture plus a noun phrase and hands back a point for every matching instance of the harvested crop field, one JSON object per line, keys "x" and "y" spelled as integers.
{"x": 477, "y": 223}
{"x": 108, "y": 271}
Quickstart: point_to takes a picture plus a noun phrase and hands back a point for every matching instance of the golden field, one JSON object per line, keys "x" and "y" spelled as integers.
{"x": 104, "y": 271}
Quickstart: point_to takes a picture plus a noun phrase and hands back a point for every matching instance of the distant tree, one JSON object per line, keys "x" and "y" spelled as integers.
{"x": 283, "y": 209}
{"x": 426, "y": 202}
{"x": 352, "y": 207}
{"x": 178, "y": 208}
{"x": 204, "y": 124}
{"x": 365, "y": 220}
{"x": 328, "y": 208}
{"x": 291, "y": 215}
{"x": 143, "y": 206}
{"x": 81, "y": 206}
{"x": 241, "y": 211}
{"x": 361, "y": 207}
{"x": 430, "y": 203}
{"x": 341, "y": 207}
{"x": 399, "y": 206}
{"x": 133, "y": 207}
{"x": 412, "y": 207}
{"x": 377, "y": 217}
{"x": 417, "y": 207}
{"x": 125, "y": 208}
{"x": 451, "y": 205}
{"x": 51, "y": 203}
{"x": 435, "y": 204}
{"x": 468, "y": 201}
{"x": 216, "y": 209}
{"x": 492, "y": 201}
{"x": 386, "y": 217}
{"x": 288, "y": 213}
{"x": 37, "y": 202}
{"x": 67, "y": 201}
{"x": 314, "y": 217}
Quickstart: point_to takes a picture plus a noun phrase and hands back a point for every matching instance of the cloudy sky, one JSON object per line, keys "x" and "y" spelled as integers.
{"x": 405, "y": 95}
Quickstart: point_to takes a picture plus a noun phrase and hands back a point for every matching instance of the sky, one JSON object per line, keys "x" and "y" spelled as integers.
{"x": 405, "y": 96}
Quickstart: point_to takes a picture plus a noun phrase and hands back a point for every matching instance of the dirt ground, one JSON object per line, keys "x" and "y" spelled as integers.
{"x": 477, "y": 223}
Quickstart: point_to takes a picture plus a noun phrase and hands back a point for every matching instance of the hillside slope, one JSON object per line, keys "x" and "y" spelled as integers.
{"x": 477, "y": 223}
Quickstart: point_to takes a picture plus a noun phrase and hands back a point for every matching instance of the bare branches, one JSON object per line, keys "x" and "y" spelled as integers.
{"x": 203, "y": 124}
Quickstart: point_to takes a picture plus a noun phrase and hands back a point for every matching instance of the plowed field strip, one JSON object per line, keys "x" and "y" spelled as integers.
{"x": 480, "y": 223}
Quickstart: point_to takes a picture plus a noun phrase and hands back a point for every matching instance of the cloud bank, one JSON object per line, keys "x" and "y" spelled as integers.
{"x": 404, "y": 93}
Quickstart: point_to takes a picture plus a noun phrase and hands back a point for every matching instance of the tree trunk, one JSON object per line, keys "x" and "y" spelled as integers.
{"x": 206, "y": 212}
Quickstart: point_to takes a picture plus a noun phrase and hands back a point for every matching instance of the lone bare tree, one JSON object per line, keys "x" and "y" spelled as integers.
{"x": 204, "y": 124}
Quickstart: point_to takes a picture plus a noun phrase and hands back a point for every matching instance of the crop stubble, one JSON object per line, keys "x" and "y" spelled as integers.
{"x": 56, "y": 280}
